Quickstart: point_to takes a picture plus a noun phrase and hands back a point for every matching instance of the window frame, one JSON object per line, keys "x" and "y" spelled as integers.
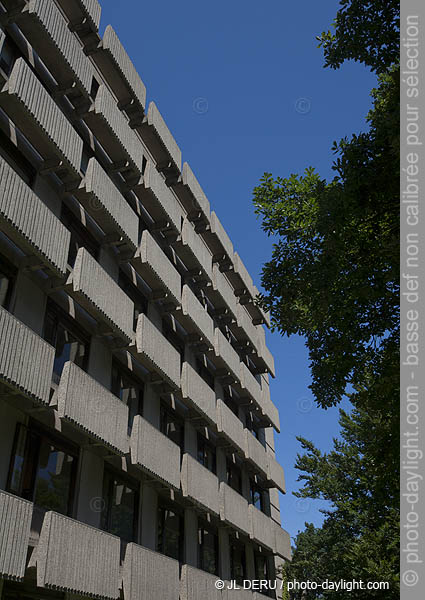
{"x": 114, "y": 474}
{"x": 203, "y": 526}
{"x": 163, "y": 506}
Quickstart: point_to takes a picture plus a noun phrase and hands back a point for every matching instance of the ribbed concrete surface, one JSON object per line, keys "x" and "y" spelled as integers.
{"x": 228, "y": 354}
{"x": 194, "y": 242}
{"x": 264, "y": 352}
{"x": 156, "y": 120}
{"x": 245, "y": 323}
{"x": 150, "y": 575}
{"x": 93, "y": 408}
{"x": 193, "y": 309}
{"x": 283, "y": 542}
{"x": 15, "y": 525}
{"x": 154, "y": 182}
{"x": 234, "y": 508}
{"x": 198, "y": 392}
{"x": 76, "y": 558}
{"x": 262, "y": 528}
{"x": 218, "y": 229}
{"x": 223, "y": 287}
{"x": 199, "y": 585}
{"x": 50, "y": 19}
{"x": 77, "y": 10}
{"x": 276, "y": 474}
{"x": 250, "y": 384}
{"x": 154, "y": 452}
{"x": 112, "y": 44}
{"x": 230, "y": 426}
{"x": 157, "y": 351}
{"x": 106, "y": 205}
{"x": 255, "y": 451}
{"x": 269, "y": 408}
{"x": 242, "y": 271}
{"x": 101, "y": 296}
{"x": 33, "y": 222}
{"x": 34, "y": 99}
{"x": 26, "y": 361}
{"x": 240, "y": 594}
{"x": 199, "y": 484}
{"x": 198, "y": 193}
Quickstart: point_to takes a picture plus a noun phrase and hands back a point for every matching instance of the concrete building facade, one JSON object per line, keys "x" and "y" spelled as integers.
{"x": 136, "y": 426}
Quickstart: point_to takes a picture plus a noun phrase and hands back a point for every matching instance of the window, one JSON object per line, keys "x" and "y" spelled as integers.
{"x": 170, "y": 532}
{"x": 206, "y": 453}
{"x": 262, "y": 570}
{"x": 169, "y": 331}
{"x": 256, "y": 495}
{"x": 207, "y": 549}
{"x": 15, "y": 158}
{"x": 9, "y": 53}
{"x": 80, "y": 236}
{"x": 120, "y": 505}
{"x": 70, "y": 343}
{"x": 237, "y": 563}
{"x": 204, "y": 372}
{"x": 135, "y": 294}
{"x": 43, "y": 469}
{"x": 234, "y": 476}
{"x": 127, "y": 389}
{"x": 230, "y": 403}
{"x": 172, "y": 425}
{"x": 253, "y": 425}
{"x": 7, "y": 278}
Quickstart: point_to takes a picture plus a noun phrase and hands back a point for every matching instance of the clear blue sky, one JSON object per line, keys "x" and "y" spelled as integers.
{"x": 227, "y": 77}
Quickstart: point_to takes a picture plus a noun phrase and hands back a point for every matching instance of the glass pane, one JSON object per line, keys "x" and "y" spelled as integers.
{"x": 68, "y": 348}
{"x": 209, "y": 552}
{"x": 53, "y": 478}
{"x": 237, "y": 554}
{"x": 171, "y": 534}
{"x": 122, "y": 511}
{"x": 4, "y": 288}
{"x": 18, "y": 461}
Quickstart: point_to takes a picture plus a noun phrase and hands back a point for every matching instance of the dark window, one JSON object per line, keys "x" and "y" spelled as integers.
{"x": 87, "y": 154}
{"x": 9, "y": 53}
{"x": 170, "y": 532}
{"x": 7, "y": 279}
{"x": 229, "y": 401}
{"x": 14, "y": 157}
{"x": 43, "y": 469}
{"x": 207, "y": 550}
{"x": 94, "y": 87}
{"x": 252, "y": 425}
{"x": 262, "y": 571}
{"x": 69, "y": 341}
{"x": 237, "y": 563}
{"x": 120, "y": 506}
{"x": 80, "y": 236}
{"x": 204, "y": 372}
{"x": 234, "y": 476}
{"x": 206, "y": 453}
{"x": 256, "y": 494}
{"x": 172, "y": 425}
{"x": 168, "y": 330}
{"x": 135, "y": 294}
{"x": 127, "y": 389}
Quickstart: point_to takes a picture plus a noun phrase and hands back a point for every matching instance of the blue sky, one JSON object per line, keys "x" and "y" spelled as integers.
{"x": 242, "y": 87}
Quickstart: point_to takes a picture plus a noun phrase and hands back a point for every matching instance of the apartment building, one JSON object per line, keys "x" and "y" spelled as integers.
{"x": 136, "y": 426}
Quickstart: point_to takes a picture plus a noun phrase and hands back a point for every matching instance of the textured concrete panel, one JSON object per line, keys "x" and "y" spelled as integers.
{"x": 268, "y": 407}
{"x": 104, "y": 203}
{"x": 26, "y": 100}
{"x": 155, "y": 453}
{"x": 282, "y": 543}
{"x": 276, "y": 475}
{"x": 123, "y": 63}
{"x": 156, "y": 121}
{"x": 249, "y": 330}
{"x": 197, "y": 315}
{"x": 250, "y": 385}
{"x": 196, "y": 585}
{"x": 264, "y": 315}
{"x": 224, "y": 350}
{"x": 262, "y": 528}
{"x": 26, "y": 361}
{"x": 148, "y": 574}
{"x": 15, "y": 524}
{"x": 79, "y": 10}
{"x": 264, "y": 353}
{"x": 199, "y": 485}
{"x": 218, "y": 230}
{"x": 230, "y": 426}
{"x": 156, "y": 352}
{"x": 256, "y": 453}
{"x": 30, "y": 224}
{"x": 222, "y": 286}
{"x": 158, "y": 199}
{"x": 245, "y": 277}
{"x": 77, "y": 558}
{"x": 193, "y": 251}
{"x": 101, "y": 296}
{"x": 199, "y": 198}
{"x": 93, "y": 408}
{"x": 198, "y": 393}
{"x": 234, "y": 509}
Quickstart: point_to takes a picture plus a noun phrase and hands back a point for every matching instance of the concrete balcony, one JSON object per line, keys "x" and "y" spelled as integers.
{"x": 275, "y": 474}
{"x": 155, "y": 268}
{"x": 193, "y": 252}
{"x": 15, "y": 525}
{"x": 104, "y": 203}
{"x": 148, "y": 574}
{"x": 222, "y": 295}
{"x": 195, "y": 319}
{"x": 218, "y": 242}
{"x": 256, "y": 454}
{"x": 270, "y": 410}
{"x": 159, "y": 201}
{"x": 250, "y": 386}
{"x": 262, "y": 528}
{"x": 82, "y": 12}
{"x": 47, "y": 31}
{"x": 230, "y": 427}
{"x": 28, "y": 104}
{"x": 196, "y": 584}
{"x": 197, "y": 393}
{"x": 112, "y": 131}
{"x": 93, "y": 409}
{"x": 26, "y": 361}
{"x": 225, "y": 356}
{"x": 161, "y": 143}
{"x": 234, "y": 509}
{"x": 27, "y": 221}
{"x": 282, "y": 542}
{"x": 192, "y": 196}
{"x": 245, "y": 330}
{"x": 154, "y": 453}
{"x": 78, "y": 559}
{"x": 199, "y": 485}
{"x": 242, "y": 280}
{"x": 101, "y": 297}
{"x": 265, "y": 358}
{"x": 156, "y": 353}
{"x": 120, "y": 73}
{"x": 259, "y": 316}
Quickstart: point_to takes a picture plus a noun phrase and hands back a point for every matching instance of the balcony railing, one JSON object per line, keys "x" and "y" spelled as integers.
{"x": 75, "y": 558}
{"x": 148, "y": 574}
{"x": 28, "y": 222}
{"x": 245, "y": 330}
{"x": 15, "y": 525}
{"x": 192, "y": 196}
{"x": 26, "y": 361}
{"x": 224, "y": 296}
{"x": 262, "y": 528}
{"x": 250, "y": 385}
{"x": 219, "y": 242}
{"x": 194, "y": 317}
{"x": 196, "y": 584}
{"x": 98, "y": 293}
{"x": 193, "y": 252}
{"x": 79, "y": 11}
{"x": 104, "y": 203}
{"x": 230, "y": 427}
{"x": 256, "y": 454}
{"x": 270, "y": 410}
{"x": 275, "y": 474}
{"x": 155, "y": 453}
{"x": 199, "y": 485}
{"x": 156, "y": 353}
{"x": 156, "y": 269}
{"x": 29, "y": 105}
{"x": 265, "y": 357}
{"x": 93, "y": 408}
{"x": 234, "y": 509}
{"x": 225, "y": 356}
{"x": 282, "y": 542}
{"x": 197, "y": 393}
